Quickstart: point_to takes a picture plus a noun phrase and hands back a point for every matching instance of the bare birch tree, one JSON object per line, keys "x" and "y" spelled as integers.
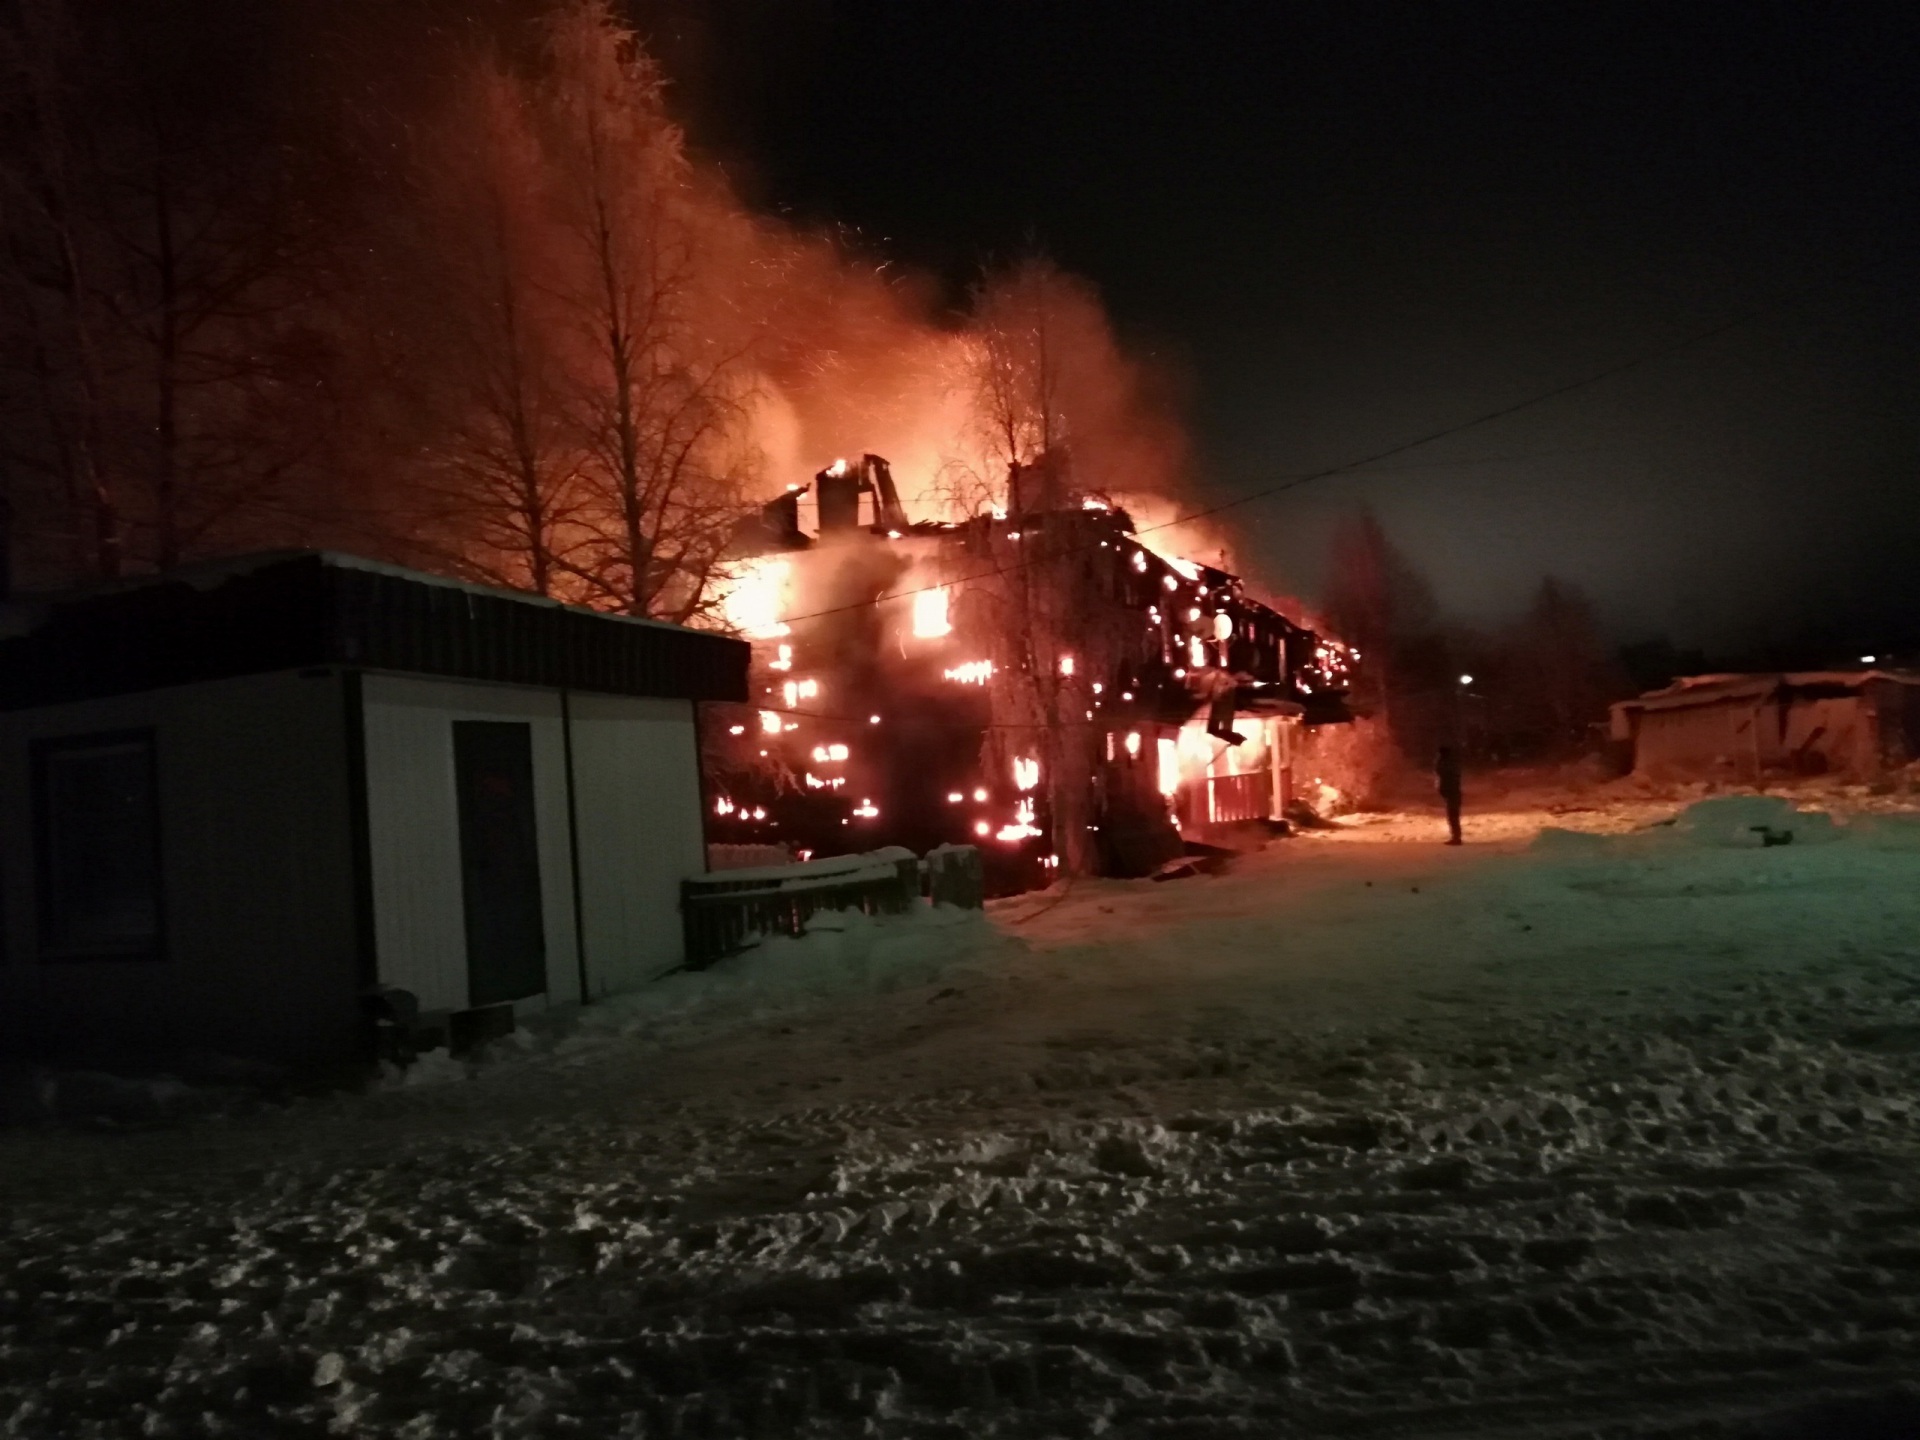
{"x": 657, "y": 396}
{"x": 494, "y": 489}
{"x": 159, "y": 334}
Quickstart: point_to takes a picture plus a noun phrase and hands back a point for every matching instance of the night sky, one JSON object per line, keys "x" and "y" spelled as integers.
{"x": 1347, "y": 225}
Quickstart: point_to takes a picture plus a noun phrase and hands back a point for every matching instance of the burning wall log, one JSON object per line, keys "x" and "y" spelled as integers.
{"x": 1040, "y": 683}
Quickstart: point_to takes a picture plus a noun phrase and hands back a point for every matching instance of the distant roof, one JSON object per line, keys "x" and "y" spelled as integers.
{"x": 295, "y": 609}
{"x": 1715, "y": 689}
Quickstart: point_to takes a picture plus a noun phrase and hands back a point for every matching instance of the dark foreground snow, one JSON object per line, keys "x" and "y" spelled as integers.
{"x": 1606, "y": 1137}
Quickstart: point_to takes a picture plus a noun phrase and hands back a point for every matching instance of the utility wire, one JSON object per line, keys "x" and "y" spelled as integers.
{"x": 1294, "y": 482}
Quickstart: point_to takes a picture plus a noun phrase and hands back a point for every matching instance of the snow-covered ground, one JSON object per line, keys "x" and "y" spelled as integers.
{"x": 1561, "y": 1133}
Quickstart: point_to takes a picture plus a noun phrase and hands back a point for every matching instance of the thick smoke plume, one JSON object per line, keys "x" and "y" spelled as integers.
{"x": 458, "y": 294}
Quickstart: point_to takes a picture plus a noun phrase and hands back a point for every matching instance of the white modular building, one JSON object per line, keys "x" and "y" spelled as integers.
{"x": 239, "y": 800}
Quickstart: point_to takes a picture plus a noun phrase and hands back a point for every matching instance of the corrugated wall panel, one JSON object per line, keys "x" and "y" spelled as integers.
{"x": 256, "y": 867}
{"x": 413, "y": 820}
{"x": 641, "y": 832}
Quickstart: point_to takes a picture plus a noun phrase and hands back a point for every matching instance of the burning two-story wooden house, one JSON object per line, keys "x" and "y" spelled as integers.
{"x": 1039, "y": 681}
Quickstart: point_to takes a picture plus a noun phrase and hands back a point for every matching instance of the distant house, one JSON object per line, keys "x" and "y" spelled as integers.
{"x": 1852, "y": 723}
{"x": 236, "y": 800}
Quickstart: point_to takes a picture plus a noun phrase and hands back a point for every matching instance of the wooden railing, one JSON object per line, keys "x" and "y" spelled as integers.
{"x": 724, "y": 912}
{"x": 1233, "y": 798}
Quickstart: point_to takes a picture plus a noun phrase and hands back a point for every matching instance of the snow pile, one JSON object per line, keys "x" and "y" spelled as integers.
{"x": 843, "y": 955}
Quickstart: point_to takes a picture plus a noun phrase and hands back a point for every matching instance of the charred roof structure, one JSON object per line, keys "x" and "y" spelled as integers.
{"x": 1038, "y": 681}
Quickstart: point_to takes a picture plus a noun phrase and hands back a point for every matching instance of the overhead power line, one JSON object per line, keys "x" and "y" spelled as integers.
{"x": 1296, "y": 481}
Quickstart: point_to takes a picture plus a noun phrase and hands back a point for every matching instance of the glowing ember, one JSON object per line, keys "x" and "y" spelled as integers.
{"x": 980, "y": 794}
{"x": 1066, "y": 664}
{"x": 1026, "y": 774}
{"x": 822, "y": 754}
{"x": 1182, "y": 567}
{"x": 954, "y": 797}
{"x": 1222, "y": 626}
{"x": 930, "y": 614}
{"x": 723, "y": 806}
{"x": 866, "y": 810}
{"x": 771, "y": 722}
{"x": 1133, "y": 742}
{"x": 972, "y": 672}
{"x": 784, "y": 660}
{"x": 1197, "y": 653}
{"x": 1089, "y": 503}
{"x": 1140, "y": 561}
{"x": 981, "y": 827}
{"x": 736, "y": 730}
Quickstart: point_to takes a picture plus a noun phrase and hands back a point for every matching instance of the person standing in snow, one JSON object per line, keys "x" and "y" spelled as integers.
{"x": 1446, "y": 770}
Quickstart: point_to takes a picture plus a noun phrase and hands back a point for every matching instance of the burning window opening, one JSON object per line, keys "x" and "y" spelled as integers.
{"x": 756, "y": 598}
{"x": 1169, "y": 776}
{"x": 1026, "y": 774}
{"x": 771, "y": 723}
{"x": 930, "y": 614}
